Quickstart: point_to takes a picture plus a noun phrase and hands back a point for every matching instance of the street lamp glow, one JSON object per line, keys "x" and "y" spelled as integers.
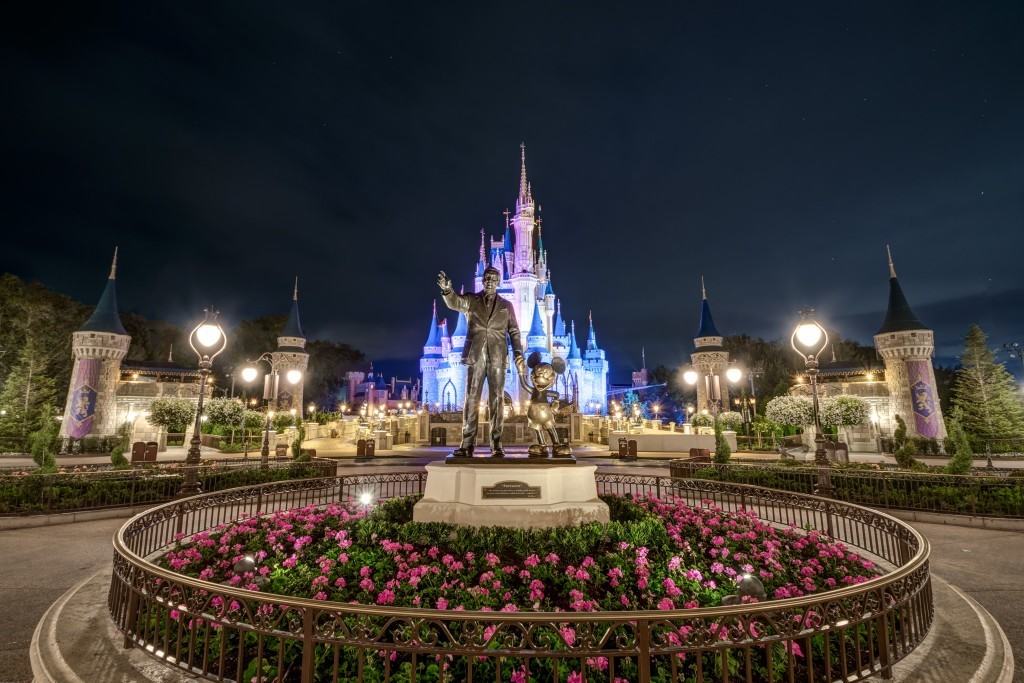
{"x": 808, "y": 335}
{"x": 293, "y": 376}
{"x": 734, "y": 375}
{"x": 249, "y": 374}
{"x": 690, "y": 377}
{"x": 366, "y": 498}
{"x": 207, "y": 334}
{"x": 292, "y": 411}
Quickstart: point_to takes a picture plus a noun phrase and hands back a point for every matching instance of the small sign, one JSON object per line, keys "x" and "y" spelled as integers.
{"x": 510, "y": 489}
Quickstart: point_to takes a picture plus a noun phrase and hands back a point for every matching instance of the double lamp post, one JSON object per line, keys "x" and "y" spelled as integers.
{"x": 271, "y": 387}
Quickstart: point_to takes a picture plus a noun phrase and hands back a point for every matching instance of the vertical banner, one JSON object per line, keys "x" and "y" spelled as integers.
{"x": 922, "y": 398}
{"x": 85, "y": 385}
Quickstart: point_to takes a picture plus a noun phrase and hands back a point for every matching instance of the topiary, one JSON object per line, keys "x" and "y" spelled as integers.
{"x": 722, "y": 450}
{"x": 962, "y": 456}
{"x": 117, "y": 458}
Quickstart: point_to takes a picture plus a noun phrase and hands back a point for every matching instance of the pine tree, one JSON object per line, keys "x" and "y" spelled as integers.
{"x": 962, "y": 457}
{"x": 986, "y": 394}
{"x": 27, "y": 389}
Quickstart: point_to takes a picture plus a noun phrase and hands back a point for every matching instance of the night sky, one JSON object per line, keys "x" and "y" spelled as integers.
{"x": 774, "y": 147}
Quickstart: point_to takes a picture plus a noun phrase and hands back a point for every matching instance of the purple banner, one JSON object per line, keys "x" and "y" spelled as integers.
{"x": 922, "y": 398}
{"x": 83, "y": 397}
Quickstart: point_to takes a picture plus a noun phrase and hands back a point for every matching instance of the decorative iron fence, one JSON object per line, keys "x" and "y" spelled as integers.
{"x": 845, "y": 634}
{"x": 29, "y": 494}
{"x": 995, "y": 495}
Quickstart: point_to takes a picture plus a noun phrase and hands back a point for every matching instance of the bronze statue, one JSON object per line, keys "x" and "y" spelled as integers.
{"x": 541, "y": 413}
{"x": 492, "y": 324}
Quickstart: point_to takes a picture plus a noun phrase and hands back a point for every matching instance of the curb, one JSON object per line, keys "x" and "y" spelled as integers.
{"x": 41, "y": 673}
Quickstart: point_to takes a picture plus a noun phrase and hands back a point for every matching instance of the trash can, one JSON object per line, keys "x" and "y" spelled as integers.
{"x": 371, "y": 446}
{"x": 623, "y": 447}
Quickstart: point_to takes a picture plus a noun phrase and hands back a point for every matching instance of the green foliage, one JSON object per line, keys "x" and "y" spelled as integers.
{"x": 795, "y": 411}
{"x": 986, "y": 394}
{"x": 28, "y": 392}
{"x": 722, "y": 450}
{"x": 254, "y": 419}
{"x": 117, "y": 458}
{"x": 844, "y": 411}
{"x": 300, "y": 436}
{"x": 962, "y": 456}
{"x": 899, "y": 435}
{"x": 225, "y": 412}
{"x": 730, "y": 420}
{"x": 282, "y": 421}
{"x": 701, "y": 420}
{"x": 173, "y": 414}
{"x": 44, "y": 443}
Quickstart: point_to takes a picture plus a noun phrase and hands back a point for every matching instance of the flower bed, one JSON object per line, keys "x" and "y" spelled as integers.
{"x": 653, "y": 555}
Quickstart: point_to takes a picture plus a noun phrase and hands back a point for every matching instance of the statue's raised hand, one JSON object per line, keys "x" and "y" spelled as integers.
{"x": 443, "y": 282}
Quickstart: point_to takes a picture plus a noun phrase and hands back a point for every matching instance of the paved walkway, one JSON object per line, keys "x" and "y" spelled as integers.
{"x": 38, "y": 565}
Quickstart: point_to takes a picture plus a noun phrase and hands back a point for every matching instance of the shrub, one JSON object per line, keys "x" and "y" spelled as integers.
{"x": 173, "y": 414}
{"x": 730, "y": 420}
{"x": 722, "y": 450}
{"x": 300, "y": 436}
{"x": 795, "y": 411}
{"x": 844, "y": 411}
{"x": 701, "y": 421}
{"x": 43, "y": 444}
{"x": 117, "y": 458}
{"x": 962, "y": 456}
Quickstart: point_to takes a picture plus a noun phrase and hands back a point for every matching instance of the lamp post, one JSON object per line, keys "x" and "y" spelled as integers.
{"x": 207, "y": 340}
{"x": 271, "y": 384}
{"x": 713, "y": 384}
{"x": 810, "y": 339}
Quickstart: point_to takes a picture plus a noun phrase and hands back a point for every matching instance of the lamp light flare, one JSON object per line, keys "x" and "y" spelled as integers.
{"x": 207, "y": 335}
{"x": 808, "y": 335}
{"x": 366, "y": 498}
{"x": 734, "y": 375}
{"x": 249, "y": 373}
{"x": 293, "y": 376}
{"x": 690, "y": 377}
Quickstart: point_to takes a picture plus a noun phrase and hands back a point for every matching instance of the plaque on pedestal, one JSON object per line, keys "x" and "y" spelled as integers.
{"x": 512, "y": 492}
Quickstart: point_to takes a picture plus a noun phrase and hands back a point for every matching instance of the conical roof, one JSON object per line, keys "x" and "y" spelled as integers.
{"x": 591, "y": 335}
{"x": 574, "y": 349}
{"x": 293, "y": 326}
{"x": 461, "y": 326}
{"x": 559, "y": 323}
{"x": 898, "y": 316}
{"x": 537, "y": 326}
{"x": 433, "y": 335}
{"x": 707, "y": 323}
{"x": 105, "y": 317}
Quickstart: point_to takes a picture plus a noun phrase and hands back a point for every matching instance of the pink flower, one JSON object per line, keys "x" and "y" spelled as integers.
{"x": 386, "y": 597}
{"x": 666, "y": 604}
{"x": 574, "y": 677}
{"x": 531, "y": 561}
{"x": 442, "y": 603}
{"x": 568, "y": 635}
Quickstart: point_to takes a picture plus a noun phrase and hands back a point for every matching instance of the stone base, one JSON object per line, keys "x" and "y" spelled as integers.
{"x": 511, "y": 493}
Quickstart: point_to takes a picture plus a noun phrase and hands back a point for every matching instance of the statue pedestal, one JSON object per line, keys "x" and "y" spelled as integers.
{"x": 512, "y": 493}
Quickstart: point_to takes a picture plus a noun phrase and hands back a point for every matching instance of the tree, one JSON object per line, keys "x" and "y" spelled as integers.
{"x": 28, "y": 392}
{"x": 325, "y": 376}
{"x": 173, "y": 414}
{"x": 43, "y": 442}
{"x": 959, "y": 445}
{"x": 986, "y": 394}
{"x": 226, "y": 412}
{"x": 903, "y": 448}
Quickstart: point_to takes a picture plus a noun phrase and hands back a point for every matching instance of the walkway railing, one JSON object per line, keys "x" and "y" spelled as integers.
{"x": 220, "y": 632}
{"x": 995, "y": 495}
{"x": 28, "y": 493}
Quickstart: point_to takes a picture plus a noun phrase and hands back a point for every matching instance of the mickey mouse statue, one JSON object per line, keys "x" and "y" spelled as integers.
{"x": 541, "y": 413}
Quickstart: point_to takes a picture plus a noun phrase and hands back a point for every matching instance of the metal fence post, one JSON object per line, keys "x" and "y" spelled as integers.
{"x": 308, "y": 646}
{"x": 643, "y": 664}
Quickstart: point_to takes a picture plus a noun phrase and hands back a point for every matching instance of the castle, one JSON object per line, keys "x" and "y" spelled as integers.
{"x": 522, "y": 260}
{"x": 107, "y": 392}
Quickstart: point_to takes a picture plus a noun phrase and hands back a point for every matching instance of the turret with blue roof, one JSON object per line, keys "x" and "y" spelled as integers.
{"x": 105, "y": 317}
{"x": 708, "y": 338}
{"x": 291, "y": 336}
{"x": 559, "y": 323}
{"x": 898, "y": 316}
{"x": 432, "y": 347}
{"x": 574, "y": 349}
{"x": 537, "y": 338}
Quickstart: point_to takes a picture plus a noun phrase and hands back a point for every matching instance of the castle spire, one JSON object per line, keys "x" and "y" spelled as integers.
{"x": 105, "y": 317}
{"x": 591, "y": 335}
{"x": 898, "y": 316}
{"x": 574, "y": 349}
{"x": 707, "y": 323}
{"x": 170, "y": 353}
{"x": 524, "y": 184}
{"x": 643, "y": 357}
{"x": 432, "y": 336}
{"x": 293, "y": 326}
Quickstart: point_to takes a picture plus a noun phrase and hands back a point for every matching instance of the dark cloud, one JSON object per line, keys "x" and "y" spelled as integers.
{"x": 775, "y": 148}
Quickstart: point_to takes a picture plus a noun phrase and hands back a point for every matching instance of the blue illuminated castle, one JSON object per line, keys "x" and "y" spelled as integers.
{"x": 521, "y": 258}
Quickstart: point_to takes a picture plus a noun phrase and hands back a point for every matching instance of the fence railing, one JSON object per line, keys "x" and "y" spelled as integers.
{"x": 28, "y": 493}
{"x": 997, "y": 495}
{"x": 845, "y": 634}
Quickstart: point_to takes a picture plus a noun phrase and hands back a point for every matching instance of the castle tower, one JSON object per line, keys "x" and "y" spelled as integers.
{"x": 537, "y": 338}
{"x": 291, "y": 355}
{"x": 524, "y": 220}
{"x": 709, "y": 358}
{"x": 430, "y": 361}
{"x": 593, "y": 385}
{"x": 907, "y": 347}
{"x": 98, "y": 348}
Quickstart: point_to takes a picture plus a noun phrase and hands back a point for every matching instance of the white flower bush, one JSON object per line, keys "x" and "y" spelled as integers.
{"x": 844, "y": 411}
{"x": 795, "y": 411}
{"x": 730, "y": 420}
